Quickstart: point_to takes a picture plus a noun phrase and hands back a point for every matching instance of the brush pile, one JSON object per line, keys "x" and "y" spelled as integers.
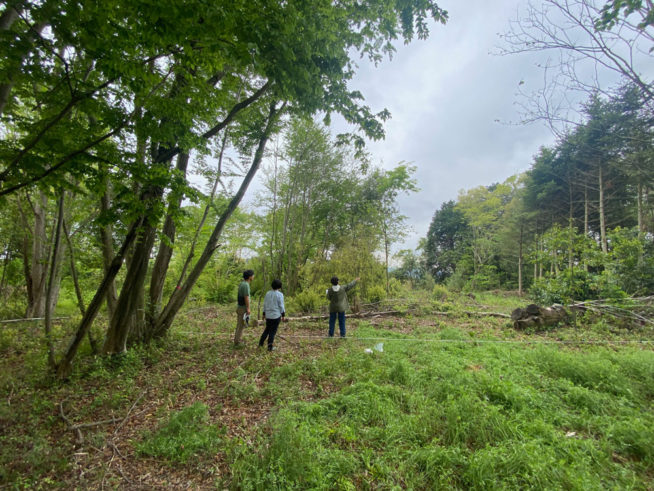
{"x": 631, "y": 312}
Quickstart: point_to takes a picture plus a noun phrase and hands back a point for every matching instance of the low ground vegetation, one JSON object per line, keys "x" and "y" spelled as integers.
{"x": 445, "y": 401}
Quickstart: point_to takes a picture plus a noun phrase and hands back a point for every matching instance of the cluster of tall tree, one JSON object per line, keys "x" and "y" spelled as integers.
{"x": 563, "y": 215}
{"x": 320, "y": 200}
{"x": 104, "y": 104}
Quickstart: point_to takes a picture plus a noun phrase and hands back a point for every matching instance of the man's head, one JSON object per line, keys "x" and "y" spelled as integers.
{"x": 248, "y": 274}
{"x": 276, "y": 285}
{"x": 334, "y": 280}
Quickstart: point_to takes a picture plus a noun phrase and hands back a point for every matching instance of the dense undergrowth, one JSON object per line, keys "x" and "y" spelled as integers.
{"x": 451, "y": 402}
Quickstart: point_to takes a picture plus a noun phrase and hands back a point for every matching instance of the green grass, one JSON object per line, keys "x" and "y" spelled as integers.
{"x": 443, "y": 406}
{"x": 446, "y": 415}
{"x": 186, "y": 435}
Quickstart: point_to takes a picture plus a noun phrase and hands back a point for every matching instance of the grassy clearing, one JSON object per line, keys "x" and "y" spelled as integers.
{"x": 444, "y": 404}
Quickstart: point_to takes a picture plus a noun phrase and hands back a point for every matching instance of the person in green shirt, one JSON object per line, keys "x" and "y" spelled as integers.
{"x": 338, "y": 305}
{"x": 243, "y": 305}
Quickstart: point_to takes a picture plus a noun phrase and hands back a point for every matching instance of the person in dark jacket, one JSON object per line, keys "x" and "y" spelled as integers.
{"x": 243, "y": 306}
{"x": 338, "y": 304}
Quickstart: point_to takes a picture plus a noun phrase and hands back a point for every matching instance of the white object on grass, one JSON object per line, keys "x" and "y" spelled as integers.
{"x": 378, "y": 347}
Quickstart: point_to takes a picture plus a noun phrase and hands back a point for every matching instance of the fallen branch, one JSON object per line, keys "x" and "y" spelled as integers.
{"x": 95, "y": 423}
{"x": 129, "y": 412}
{"x": 79, "y": 437}
{"x": 636, "y": 310}
{"x": 115, "y": 449}
{"x": 603, "y": 306}
{"x": 470, "y": 312}
{"x": 357, "y": 315}
{"x": 30, "y": 319}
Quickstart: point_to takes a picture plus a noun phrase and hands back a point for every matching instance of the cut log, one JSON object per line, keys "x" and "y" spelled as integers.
{"x": 533, "y": 309}
{"x": 539, "y": 317}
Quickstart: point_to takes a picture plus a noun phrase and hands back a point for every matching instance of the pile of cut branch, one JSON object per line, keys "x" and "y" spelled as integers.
{"x": 632, "y": 312}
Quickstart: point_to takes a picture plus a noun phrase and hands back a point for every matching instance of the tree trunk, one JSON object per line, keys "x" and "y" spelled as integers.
{"x": 7, "y": 19}
{"x": 51, "y": 292}
{"x": 641, "y": 221}
{"x": 520, "y": 260}
{"x": 137, "y": 329}
{"x": 273, "y": 239}
{"x": 64, "y": 367}
{"x": 386, "y": 245}
{"x": 5, "y": 261}
{"x": 78, "y": 290}
{"x": 39, "y": 260}
{"x": 602, "y": 218}
{"x": 570, "y": 226}
{"x": 285, "y": 234}
{"x": 128, "y": 300}
{"x": 586, "y": 206}
{"x": 585, "y": 223}
{"x": 541, "y": 248}
{"x": 198, "y": 229}
{"x": 162, "y": 261}
{"x": 129, "y": 317}
{"x": 165, "y": 319}
{"x": 106, "y": 236}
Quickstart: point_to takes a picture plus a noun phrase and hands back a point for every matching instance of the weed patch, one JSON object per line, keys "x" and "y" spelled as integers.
{"x": 186, "y": 435}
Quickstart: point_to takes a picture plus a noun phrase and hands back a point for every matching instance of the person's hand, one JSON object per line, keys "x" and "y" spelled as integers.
{"x": 357, "y": 278}
{"x": 248, "y": 311}
{"x": 284, "y": 319}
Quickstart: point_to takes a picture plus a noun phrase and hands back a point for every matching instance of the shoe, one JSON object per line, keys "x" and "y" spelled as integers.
{"x": 271, "y": 348}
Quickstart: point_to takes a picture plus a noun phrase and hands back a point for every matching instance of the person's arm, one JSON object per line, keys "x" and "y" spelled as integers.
{"x": 281, "y": 306}
{"x": 247, "y": 304}
{"x": 351, "y": 285}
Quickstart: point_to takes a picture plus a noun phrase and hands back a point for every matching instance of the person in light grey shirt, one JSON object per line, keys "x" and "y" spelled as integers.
{"x": 273, "y": 313}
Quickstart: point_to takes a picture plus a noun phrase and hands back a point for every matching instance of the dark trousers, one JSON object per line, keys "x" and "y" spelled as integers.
{"x": 341, "y": 323}
{"x": 269, "y": 332}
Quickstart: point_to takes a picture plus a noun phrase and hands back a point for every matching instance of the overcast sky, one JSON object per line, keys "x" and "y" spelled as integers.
{"x": 452, "y": 103}
{"x": 446, "y": 96}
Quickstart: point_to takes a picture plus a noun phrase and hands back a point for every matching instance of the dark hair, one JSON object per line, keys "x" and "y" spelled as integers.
{"x": 276, "y": 284}
{"x": 247, "y": 273}
{"x": 334, "y": 280}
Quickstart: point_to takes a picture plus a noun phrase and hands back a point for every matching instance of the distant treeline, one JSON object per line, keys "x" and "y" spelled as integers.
{"x": 577, "y": 224}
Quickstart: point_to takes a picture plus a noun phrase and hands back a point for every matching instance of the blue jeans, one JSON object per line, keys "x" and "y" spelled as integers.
{"x": 341, "y": 323}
